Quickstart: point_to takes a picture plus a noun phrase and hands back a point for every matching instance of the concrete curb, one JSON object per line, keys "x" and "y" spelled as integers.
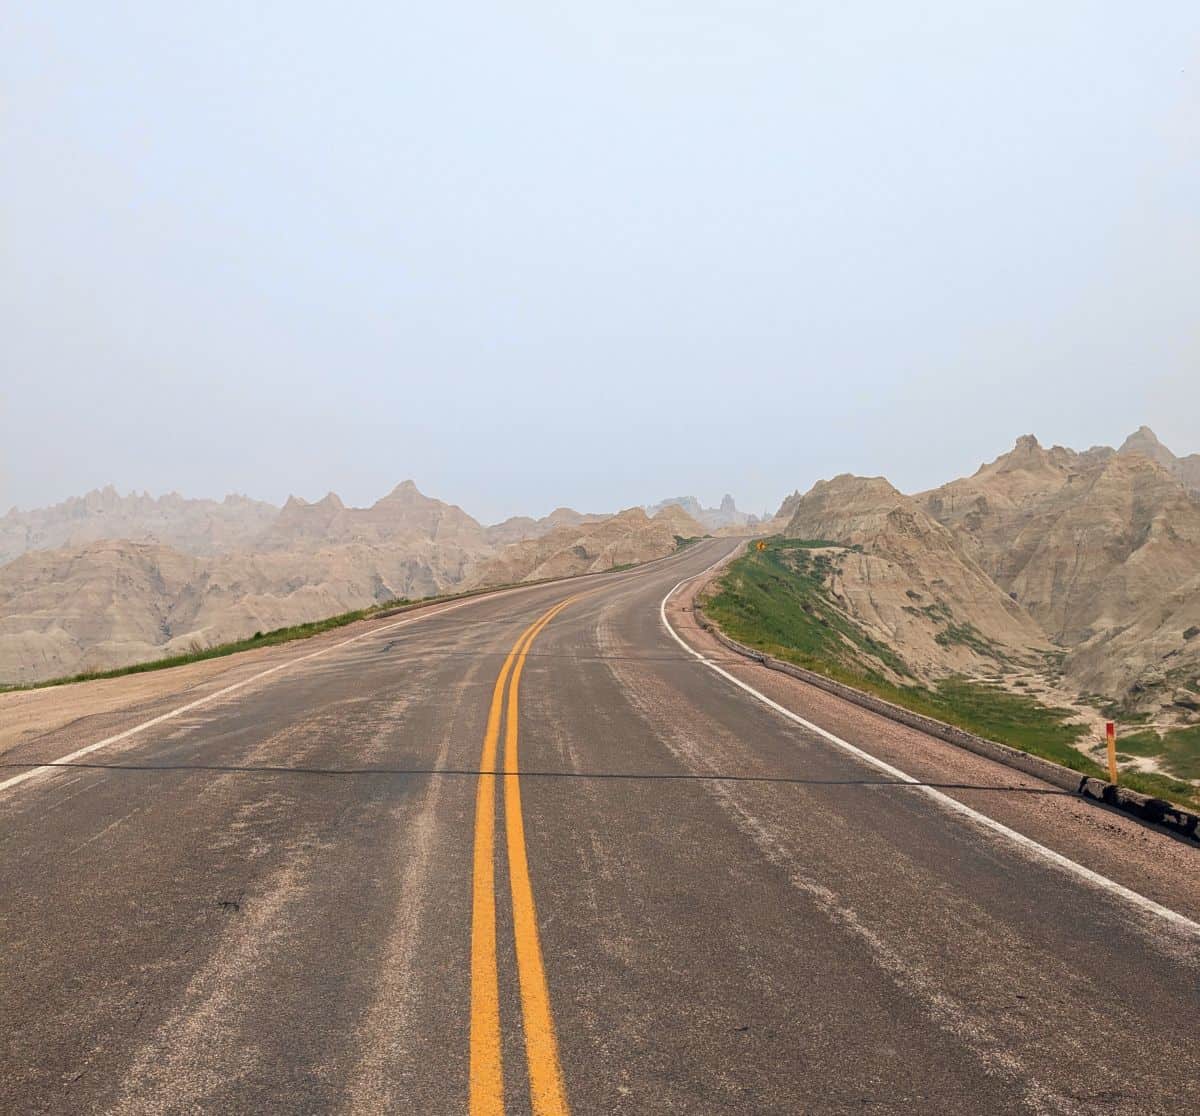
{"x": 1156, "y": 811}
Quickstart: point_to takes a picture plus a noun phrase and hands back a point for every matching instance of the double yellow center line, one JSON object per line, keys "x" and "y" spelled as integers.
{"x": 546, "y": 1091}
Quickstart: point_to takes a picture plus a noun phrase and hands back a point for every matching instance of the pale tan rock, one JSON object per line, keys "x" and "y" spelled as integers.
{"x": 525, "y": 527}
{"x": 117, "y": 602}
{"x": 911, "y": 582}
{"x": 1102, "y": 549}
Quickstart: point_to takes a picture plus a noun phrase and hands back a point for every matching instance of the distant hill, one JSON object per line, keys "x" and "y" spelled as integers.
{"x": 711, "y": 519}
{"x": 524, "y": 527}
{"x": 193, "y": 526}
{"x": 1144, "y": 441}
{"x": 405, "y": 513}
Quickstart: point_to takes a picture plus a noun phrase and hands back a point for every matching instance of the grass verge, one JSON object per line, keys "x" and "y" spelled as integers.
{"x": 1178, "y": 750}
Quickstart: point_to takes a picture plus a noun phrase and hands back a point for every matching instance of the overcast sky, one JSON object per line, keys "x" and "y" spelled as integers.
{"x": 589, "y": 253}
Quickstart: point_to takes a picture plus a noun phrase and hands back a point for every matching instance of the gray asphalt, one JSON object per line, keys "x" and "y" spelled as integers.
{"x": 265, "y": 904}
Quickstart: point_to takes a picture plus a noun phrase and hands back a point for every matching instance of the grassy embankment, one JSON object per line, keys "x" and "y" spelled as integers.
{"x": 777, "y": 601}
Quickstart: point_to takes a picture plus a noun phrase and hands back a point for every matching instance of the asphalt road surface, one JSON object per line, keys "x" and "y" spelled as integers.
{"x": 328, "y": 890}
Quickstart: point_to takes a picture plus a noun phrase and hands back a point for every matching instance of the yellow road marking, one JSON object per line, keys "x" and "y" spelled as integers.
{"x": 486, "y": 1073}
{"x": 546, "y": 1091}
{"x": 486, "y": 1066}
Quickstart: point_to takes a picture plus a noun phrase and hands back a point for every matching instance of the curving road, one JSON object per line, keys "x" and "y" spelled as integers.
{"x": 530, "y": 853}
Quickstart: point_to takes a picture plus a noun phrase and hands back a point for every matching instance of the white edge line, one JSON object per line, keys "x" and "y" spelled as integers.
{"x": 1027, "y": 843}
{"x": 423, "y": 614}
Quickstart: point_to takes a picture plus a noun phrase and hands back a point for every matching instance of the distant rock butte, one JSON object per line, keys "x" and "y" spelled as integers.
{"x": 1144, "y": 441}
{"x": 711, "y": 519}
{"x": 193, "y": 526}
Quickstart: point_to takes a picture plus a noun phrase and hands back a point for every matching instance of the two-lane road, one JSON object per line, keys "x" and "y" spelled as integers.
{"x": 529, "y": 853}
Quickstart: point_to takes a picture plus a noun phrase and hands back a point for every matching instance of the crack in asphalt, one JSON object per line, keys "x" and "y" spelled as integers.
{"x": 470, "y": 772}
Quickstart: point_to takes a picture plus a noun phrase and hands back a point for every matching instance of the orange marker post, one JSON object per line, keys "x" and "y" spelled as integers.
{"x": 1111, "y": 731}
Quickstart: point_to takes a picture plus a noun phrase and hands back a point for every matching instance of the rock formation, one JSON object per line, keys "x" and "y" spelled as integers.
{"x": 1094, "y": 555}
{"x": 710, "y": 519}
{"x": 76, "y": 598}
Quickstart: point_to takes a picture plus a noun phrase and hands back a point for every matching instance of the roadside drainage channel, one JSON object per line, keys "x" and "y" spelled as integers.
{"x": 1156, "y": 811}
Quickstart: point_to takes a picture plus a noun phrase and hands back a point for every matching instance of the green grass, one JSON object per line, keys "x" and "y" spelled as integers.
{"x": 779, "y": 544}
{"x": 777, "y": 601}
{"x": 1178, "y": 750}
{"x": 778, "y": 596}
{"x": 1163, "y": 786}
{"x": 683, "y": 542}
{"x": 1013, "y": 719}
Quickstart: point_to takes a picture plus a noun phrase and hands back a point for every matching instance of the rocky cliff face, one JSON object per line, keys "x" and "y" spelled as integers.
{"x": 1087, "y": 563}
{"x": 1144, "y": 442}
{"x": 113, "y": 603}
{"x": 1101, "y": 548}
{"x": 97, "y": 605}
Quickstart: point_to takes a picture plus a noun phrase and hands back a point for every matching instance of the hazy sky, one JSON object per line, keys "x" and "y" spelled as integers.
{"x": 589, "y": 253}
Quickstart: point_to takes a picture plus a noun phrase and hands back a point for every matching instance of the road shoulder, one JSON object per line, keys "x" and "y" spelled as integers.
{"x": 1138, "y": 856}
